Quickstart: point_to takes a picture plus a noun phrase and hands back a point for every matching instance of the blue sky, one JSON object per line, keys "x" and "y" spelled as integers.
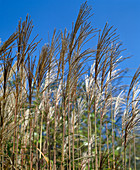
{"x": 50, "y": 14}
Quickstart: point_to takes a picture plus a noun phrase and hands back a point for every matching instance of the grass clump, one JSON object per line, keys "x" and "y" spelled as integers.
{"x": 55, "y": 113}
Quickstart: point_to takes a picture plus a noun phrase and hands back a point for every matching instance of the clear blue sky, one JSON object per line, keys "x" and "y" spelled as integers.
{"x": 50, "y": 14}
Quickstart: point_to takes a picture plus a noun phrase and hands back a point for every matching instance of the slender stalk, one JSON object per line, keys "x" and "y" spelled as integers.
{"x": 134, "y": 147}
{"x": 112, "y": 118}
{"x": 69, "y": 143}
{"x": 129, "y": 156}
{"x": 47, "y": 136}
{"x": 95, "y": 121}
{"x": 89, "y": 136}
{"x": 55, "y": 119}
{"x": 73, "y": 139}
{"x": 107, "y": 145}
{"x": 63, "y": 141}
{"x": 100, "y": 144}
{"x": 15, "y": 121}
{"x": 95, "y": 108}
{"x": 73, "y": 123}
{"x": 41, "y": 133}
{"x": 78, "y": 141}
